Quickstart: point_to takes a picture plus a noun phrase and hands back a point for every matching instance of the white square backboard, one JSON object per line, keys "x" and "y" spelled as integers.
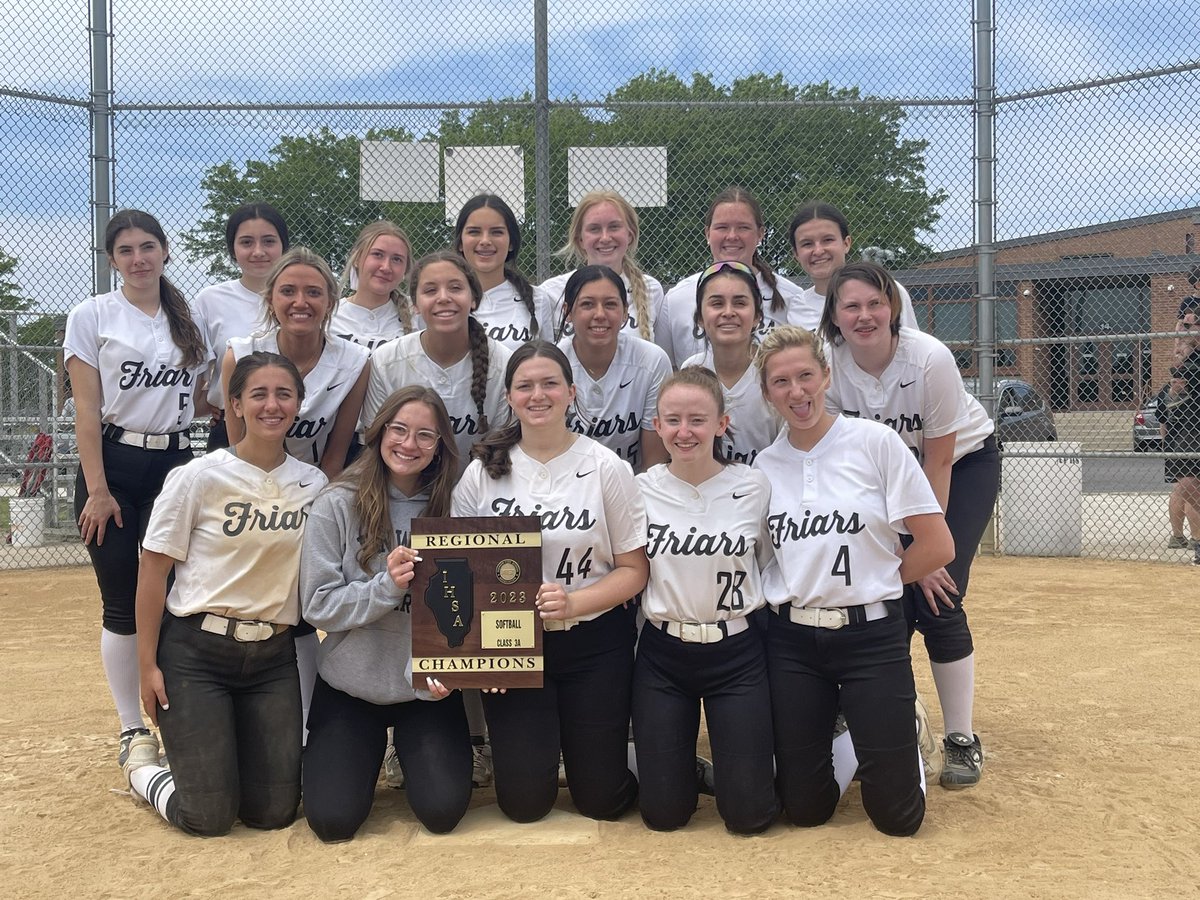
{"x": 398, "y": 172}
{"x": 485, "y": 170}
{"x": 639, "y": 174}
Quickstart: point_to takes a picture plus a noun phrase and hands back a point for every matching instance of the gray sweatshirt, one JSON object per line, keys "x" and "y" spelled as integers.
{"x": 367, "y": 651}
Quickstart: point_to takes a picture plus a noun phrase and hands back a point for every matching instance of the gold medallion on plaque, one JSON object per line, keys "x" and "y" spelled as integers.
{"x": 508, "y": 571}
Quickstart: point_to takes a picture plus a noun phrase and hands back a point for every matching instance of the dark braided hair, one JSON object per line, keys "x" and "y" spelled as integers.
{"x": 495, "y": 449}
{"x": 511, "y": 272}
{"x": 741, "y": 195}
{"x": 185, "y": 333}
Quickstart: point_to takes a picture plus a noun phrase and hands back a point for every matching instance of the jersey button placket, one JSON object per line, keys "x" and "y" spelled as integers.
{"x": 808, "y": 490}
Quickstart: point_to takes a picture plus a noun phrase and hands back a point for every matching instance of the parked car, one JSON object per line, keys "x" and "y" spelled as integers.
{"x": 1021, "y": 412}
{"x": 1146, "y": 434}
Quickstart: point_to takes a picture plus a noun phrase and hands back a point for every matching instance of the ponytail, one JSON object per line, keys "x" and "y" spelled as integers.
{"x": 479, "y": 369}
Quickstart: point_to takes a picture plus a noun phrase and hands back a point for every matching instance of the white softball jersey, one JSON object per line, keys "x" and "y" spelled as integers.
{"x": 229, "y": 310}
{"x": 706, "y": 544}
{"x": 675, "y": 332}
{"x": 920, "y": 394}
{"x": 369, "y": 328}
{"x": 836, "y": 514}
{"x": 807, "y": 312}
{"x": 753, "y": 422}
{"x": 325, "y": 387}
{"x": 556, "y": 289}
{"x": 403, "y": 362}
{"x": 505, "y": 318}
{"x": 590, "y": 508}
{"x": 234, "y": 531}
{"x": 144, "y": 385}
{"x": 617, "y": 408}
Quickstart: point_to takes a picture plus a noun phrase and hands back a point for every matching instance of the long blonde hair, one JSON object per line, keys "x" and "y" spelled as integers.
{"x": 362, "y": 245}
{"x": 629, "y": 265}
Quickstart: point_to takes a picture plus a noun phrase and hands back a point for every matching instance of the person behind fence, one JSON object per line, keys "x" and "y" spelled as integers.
{"x": 255, "y": 237}
{"x": 377, "y": 310}
{"x": 135, "y": 357}
{"x": 728, "y": 310}
{"x": 843, "y": 490}
{"x": 354, "y": 580}
{"x": 820, "y": 236}
{"x": 1179, "y": 414}
{"x": 616, "y": 373}
{"x": 733, "y": 228}
{"x": 909, "y": 381}
{"x": 701, "y": 641}
{"x": 511, "y": 310}
{"x": 298, "y": 300}
{"x": 604, "y": 231}
{"x": 593, "y": 562}
{"x": 216, "y": 650}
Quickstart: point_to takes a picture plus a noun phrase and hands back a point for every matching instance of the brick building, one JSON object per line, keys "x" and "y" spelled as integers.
{"x": 1123, "y": 277}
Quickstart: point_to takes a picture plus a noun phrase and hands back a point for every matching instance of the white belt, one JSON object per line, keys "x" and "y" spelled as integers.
{"x": 703, "y": 632}
{"x": 833, "y": 617}
{"x": 560, "y": 624}
{"x": 240, "y": 630}
{"x": 153, "y": 441}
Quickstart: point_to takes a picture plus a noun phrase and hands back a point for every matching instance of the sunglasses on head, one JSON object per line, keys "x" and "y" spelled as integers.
{"x": 718, "y": 267}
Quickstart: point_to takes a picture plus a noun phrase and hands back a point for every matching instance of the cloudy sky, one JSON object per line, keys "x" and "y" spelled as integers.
{"x": 1096, "y": 156}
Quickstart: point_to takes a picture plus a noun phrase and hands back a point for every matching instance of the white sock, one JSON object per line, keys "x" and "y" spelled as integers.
{"x": 306, "y": 661}
{"x": 956, "y": 692}
{"x": 155, "y": 785}
{"x": 921, "y": 765}
{"x": 631, "y": 758}
{"x": 118, "y": 653}
{"x": 845, "y": 761}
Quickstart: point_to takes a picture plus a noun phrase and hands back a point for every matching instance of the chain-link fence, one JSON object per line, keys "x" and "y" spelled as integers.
{"x": 883, "y": 110}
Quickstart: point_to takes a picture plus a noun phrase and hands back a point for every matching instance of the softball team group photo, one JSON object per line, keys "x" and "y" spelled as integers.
{"x": 753, "y": 497}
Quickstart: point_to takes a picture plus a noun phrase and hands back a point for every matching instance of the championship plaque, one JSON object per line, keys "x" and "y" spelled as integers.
{"x": 474, "y": 615}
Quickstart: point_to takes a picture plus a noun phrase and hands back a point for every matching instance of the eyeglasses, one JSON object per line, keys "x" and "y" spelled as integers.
{"x": 426, "y": 440}
{"x": 722, "y": 266}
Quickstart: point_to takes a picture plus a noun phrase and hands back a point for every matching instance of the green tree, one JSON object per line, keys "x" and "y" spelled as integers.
{"x": 11, "y": 297}
{"x": 787, "y": 144}
{"x": 313, "y": 181}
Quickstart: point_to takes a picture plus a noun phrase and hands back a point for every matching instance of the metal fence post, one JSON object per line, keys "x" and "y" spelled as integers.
{"x": 541, "y": 138}
{"x": 985, "y": 199}
{"x": 101, "y": 127}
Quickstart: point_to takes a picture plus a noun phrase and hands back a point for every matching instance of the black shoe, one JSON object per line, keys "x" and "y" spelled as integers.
{"x": 964, "y": 761}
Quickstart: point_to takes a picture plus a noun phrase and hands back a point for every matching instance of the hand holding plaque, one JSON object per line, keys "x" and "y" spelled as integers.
{"x": 475, "y": 620}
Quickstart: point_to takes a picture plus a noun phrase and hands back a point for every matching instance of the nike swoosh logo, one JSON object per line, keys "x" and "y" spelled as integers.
{"x": 335, "y": 386}
{"x": 305, "y": 484}
{"x": 627, "y": 384}
{"x": 905, "y": 384}
{"x": 740, "y": 496}
{"x": 584, "y": 474}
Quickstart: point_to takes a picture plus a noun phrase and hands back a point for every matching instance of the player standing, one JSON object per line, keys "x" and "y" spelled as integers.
{"x": 729, "y": 307}
{"x": 218, "y": 669}
{"x": 377, "y": 311}
{"x": 617, "y": 374}
{"x": 511, "y": 310}
{"x": 136, "y": 358}
{"x": 255, "y": 236}
{"x": 706, "y": 526}
{"x": 593, "y": 561}
{"x": 604, "y": 232}
{"x": 909, "y": 381}
{"x": 842, "y": 492}
{"x": 733, "y": 228}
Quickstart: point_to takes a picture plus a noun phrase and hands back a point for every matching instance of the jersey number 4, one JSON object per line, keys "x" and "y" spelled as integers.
{"x": 566, "y": 572}
{"x": 841, "y": 564}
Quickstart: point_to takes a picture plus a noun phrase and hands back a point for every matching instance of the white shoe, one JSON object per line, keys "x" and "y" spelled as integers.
{"x": 143, "y": 751}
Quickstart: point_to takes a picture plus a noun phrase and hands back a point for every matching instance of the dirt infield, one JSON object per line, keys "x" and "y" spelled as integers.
{"x": 1088, "y": 704}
